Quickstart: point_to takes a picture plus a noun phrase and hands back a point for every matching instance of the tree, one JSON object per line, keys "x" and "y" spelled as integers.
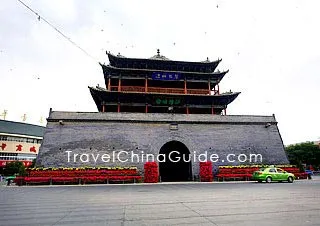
{"x": 305, "y": 153}
{"x": 13, "y": 168}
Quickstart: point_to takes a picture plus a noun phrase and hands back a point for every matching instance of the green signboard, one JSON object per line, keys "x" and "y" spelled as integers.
{"x": 168, "y": 101}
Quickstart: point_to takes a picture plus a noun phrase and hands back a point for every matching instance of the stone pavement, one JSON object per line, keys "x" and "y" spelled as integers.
{"x": 227, "y": 203}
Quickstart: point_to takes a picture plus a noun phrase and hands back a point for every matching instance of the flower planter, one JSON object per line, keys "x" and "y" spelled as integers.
{"x": 206, "y": 172}
{"x": 151, "y": 173}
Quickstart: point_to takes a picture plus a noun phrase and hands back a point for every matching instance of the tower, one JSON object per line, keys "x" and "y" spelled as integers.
{"x": 160, "y": 85}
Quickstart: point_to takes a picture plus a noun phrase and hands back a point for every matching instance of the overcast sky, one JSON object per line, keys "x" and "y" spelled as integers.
{"x": 272, "y": 49}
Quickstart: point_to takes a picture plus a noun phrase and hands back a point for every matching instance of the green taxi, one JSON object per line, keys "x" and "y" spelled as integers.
{"x": 270, "y": 174}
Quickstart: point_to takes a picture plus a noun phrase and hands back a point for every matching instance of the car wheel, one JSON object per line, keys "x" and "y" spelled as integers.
{"x": 268, "y": 179}
{"x": 290, "y": 179}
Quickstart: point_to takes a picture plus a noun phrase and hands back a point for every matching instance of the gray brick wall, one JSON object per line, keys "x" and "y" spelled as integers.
{"x": 114, "y": 132}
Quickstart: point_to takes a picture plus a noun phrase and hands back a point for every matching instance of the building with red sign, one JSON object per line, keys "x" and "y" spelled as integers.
{"x": 19, "y": 142}
{"x": 156, "y": 107}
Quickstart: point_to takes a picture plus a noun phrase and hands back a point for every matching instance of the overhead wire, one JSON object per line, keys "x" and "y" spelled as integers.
{"x": 57, "y": 30}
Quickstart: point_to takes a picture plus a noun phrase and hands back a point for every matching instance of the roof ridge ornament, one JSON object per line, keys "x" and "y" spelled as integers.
{"x": 206, "y": 61}
{"x": 119, "y": 55}
{"x": 158, "y": 56}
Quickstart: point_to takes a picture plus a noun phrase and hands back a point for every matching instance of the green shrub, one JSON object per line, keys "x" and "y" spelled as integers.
{"x": 15, "y": 168}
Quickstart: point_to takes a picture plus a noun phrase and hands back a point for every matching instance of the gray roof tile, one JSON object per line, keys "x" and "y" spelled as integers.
{"x": 21, "y": 128}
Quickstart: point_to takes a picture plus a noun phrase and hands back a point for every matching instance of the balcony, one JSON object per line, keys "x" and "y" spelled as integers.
{"x": 142, "y": 89}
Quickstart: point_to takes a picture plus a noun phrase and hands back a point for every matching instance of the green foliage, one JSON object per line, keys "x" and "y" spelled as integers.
{"x": 304, "y": 153}
{"x": 14, "y": 168}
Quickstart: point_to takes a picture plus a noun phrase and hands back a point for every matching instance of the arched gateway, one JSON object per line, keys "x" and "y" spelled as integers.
{"x": 173, "y": 162}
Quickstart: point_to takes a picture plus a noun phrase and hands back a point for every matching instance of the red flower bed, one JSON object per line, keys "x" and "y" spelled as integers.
{"x": 75, "y": 175}
{"x": 64, "y": 179}
{"x": 79, "y": 173}
{"x": 291, "y": 169}
{"x": 37, "y": 179}
{"x": 19, "y": 180}
{"x": 151, "y": 173}
{"x": 301, "y": 175}
{"x": 206, "y": 171}
{"x": 235, "y": 175}
{"x": 239, "y": 170}
{"x": 104, "y": 179}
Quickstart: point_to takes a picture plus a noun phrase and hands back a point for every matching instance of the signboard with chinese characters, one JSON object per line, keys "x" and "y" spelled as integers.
{"x": 166, "y": 76}
{"x": 167, "y": 101}
{"x": 19, "y": 147}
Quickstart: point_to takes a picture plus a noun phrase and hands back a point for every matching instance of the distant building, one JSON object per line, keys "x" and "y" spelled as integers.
{"x": 19, "y": 142}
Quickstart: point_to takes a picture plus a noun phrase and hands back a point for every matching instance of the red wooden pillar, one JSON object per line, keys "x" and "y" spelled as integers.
{"x": 218, "y": 89}
{"x": 185, "y": 86}
{"x": 146, "y": 85}
{"x": 209, "y": 87}
{"x": 118, "y": 107}
{"x": 225, "y": 111}
{"x": 212, "y": 110}
{"x": 103, "y": 107}
{"x": 119, "y": 85}
{"x": 109, "y": 83}
{"x": 187, "y": 109}
{"x": 146, "y": 108}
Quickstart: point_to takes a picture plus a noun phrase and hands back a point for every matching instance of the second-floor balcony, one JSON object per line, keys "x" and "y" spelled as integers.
{"x": 143, "y": 89}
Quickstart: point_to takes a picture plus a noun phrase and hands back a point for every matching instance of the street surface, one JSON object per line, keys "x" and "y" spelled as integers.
{"x": 227, "y": 203}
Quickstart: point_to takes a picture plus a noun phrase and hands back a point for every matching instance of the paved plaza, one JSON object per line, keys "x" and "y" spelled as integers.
{"x": 228, "y": 203}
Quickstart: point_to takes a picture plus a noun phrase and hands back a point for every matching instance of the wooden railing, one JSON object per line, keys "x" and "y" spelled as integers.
{"x": 113, "y": 88}
{"x": 142, "y": 89}
{"x": 165, "y": 90}
{"x": 198, "y": 91}
{"x": 133, "y": 89}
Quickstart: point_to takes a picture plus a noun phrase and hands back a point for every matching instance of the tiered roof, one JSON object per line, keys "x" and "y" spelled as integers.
{"x": 160, "y": 82}
{"x": 101, "y": 95}
{"x": 159, "y": 62}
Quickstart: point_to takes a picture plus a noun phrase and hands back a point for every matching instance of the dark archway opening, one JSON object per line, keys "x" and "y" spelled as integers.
{"x": 174, "y": 162}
